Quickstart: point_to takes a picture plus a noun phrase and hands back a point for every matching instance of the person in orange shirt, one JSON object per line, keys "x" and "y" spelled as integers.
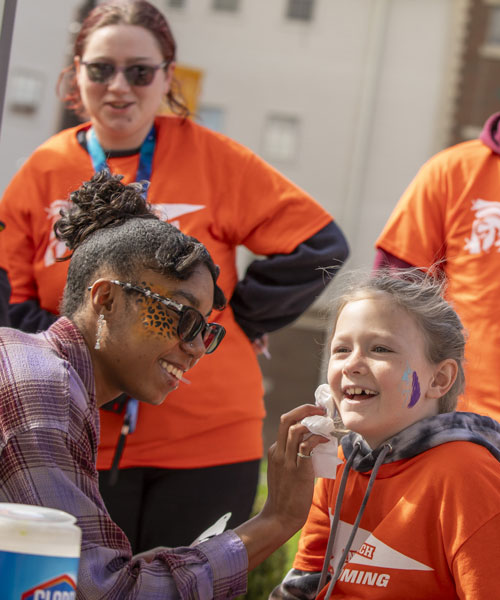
{"x": 196, "y": 457}
{"x": 450, "y": 215}
{"x": 133, "y": 320}
{"x": 414, "y": 511}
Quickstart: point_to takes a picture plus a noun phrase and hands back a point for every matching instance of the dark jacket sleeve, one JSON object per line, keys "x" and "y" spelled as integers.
{"x": 277, "y": 290}
{"x": 297, "y": 585}
{"x": 4, "y": 299}
{"x": 30, "y": 317}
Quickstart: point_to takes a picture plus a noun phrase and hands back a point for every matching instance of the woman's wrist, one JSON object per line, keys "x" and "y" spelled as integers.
{"x": 263, "y": 534}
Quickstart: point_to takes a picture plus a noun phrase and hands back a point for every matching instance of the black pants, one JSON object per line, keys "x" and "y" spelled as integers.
{"x": 171, "y": 507}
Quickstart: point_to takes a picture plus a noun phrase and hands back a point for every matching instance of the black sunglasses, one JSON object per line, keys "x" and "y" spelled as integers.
{"x": 191, "y": 321}
{"x": 102, "y": 72}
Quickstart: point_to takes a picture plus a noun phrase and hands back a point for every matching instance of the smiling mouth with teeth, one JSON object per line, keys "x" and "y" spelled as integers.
{"x": 175, "y": 371}
{"x": 358, "y": 392}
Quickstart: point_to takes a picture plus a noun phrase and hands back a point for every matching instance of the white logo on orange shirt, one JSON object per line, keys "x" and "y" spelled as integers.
{"x": 367, "y": 550}
{"x": 365, "y": 577}
{"x": 377, "y": 554}
{"x": 370, "y": 551}
{"x": 172, "y": 212}
{"x": 343, "y": 533}
{"x": 55, "y": 248}
{"x": 485, "y": 233}
{"x": 165, "y": 212}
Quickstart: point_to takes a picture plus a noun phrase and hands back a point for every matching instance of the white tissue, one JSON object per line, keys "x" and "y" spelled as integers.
{"x": 324, "y": 399}
{"x": 325, "y": 456}
{"x": 216, "y": 529}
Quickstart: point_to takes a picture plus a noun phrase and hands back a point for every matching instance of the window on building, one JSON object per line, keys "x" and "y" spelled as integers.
{"x": 281, "y": 138}
{"x": 25, "y": 91}
{"x": 493, "y": 29}
{"x": 176, "y": 3}
{"x": 301, "y": 10}
{"x": 491, "y": 45}
{"x": 477, "y": 94}
{"x": 212, "y": 117}
{"x": 226, "y": 5}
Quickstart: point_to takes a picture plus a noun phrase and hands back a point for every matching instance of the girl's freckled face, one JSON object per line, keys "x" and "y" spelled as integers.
{"x": 378, "y": 346}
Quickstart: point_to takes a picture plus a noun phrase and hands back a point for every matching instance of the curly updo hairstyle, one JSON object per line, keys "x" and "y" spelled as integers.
{"x": 109, "y": 225}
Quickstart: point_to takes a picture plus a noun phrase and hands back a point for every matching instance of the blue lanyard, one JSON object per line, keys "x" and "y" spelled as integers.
{"x": 98, "y": 156}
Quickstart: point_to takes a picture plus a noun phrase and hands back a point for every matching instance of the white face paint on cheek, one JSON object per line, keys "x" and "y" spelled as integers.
{"x": 406, "y": 384}
{"x": 411, "y": 387}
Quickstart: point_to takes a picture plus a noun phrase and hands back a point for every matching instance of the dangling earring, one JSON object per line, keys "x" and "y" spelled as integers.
{"x": 100, "y": 325}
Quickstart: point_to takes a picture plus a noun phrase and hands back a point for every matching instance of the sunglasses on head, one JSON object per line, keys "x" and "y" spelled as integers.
{"x": 103, "y": 72}
{"x": 191, "y": 322}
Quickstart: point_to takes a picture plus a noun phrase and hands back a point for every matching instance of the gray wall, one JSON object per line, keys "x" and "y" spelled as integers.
{"x": 368, "y": 79}
{"x": 39, "y": 51}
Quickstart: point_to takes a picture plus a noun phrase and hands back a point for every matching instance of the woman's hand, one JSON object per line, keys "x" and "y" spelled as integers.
{"x": 290, "y": 481}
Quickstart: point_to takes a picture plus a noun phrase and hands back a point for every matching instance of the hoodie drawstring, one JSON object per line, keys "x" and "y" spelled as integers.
{"x": 378, "y": 463}
{"x": 336, "y": 517}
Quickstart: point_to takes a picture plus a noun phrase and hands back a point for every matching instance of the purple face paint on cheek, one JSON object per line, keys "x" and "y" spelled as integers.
{"x": 415, "y": 390}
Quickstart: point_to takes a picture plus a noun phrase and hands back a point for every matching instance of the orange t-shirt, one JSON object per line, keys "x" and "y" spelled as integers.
{"x": 430, "y": 528}
{"x": 214, "y": 189}
{"x": 451, "y": 212}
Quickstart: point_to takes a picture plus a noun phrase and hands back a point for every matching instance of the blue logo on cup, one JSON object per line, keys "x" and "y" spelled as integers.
{"x": 60, "y": 588}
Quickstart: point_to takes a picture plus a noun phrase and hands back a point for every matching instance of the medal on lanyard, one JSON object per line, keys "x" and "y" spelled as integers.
{"x": 98, "y": 158}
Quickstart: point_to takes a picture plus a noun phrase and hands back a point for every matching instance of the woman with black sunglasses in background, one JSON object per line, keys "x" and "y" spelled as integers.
{"x": 133, "y": 321}
{"x": 200, "y": 458}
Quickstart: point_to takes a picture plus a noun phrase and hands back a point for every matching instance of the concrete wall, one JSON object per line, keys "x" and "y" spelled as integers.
{"x": 366, "y": 78}
{"x": 39, "y": 51}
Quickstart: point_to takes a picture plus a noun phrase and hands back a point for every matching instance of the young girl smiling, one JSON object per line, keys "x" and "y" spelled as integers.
{"x": 415, "y": 509}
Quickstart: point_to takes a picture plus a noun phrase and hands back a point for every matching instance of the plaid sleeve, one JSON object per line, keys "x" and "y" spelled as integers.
{"x": 44, "y": 467}
{"x": 48, "y": 443}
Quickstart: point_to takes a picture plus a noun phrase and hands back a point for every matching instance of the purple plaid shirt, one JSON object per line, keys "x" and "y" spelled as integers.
{"x": 49, "y": 429}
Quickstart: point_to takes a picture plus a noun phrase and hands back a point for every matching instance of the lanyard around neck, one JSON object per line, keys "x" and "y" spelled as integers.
{"x": 98, "y": 156}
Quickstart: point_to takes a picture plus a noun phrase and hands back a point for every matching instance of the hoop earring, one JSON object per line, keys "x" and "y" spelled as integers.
{"x": 100, "y": 325}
